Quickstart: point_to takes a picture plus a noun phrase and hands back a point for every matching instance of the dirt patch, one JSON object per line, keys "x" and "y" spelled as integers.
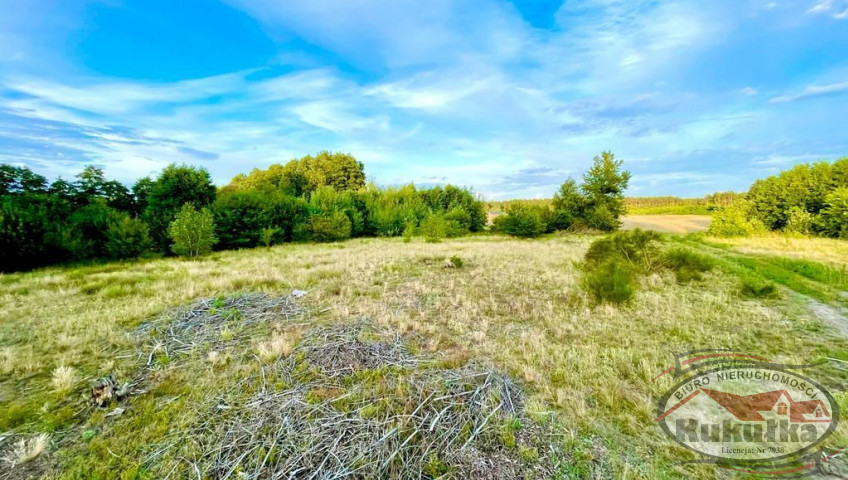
{"x": 832, "y": 316}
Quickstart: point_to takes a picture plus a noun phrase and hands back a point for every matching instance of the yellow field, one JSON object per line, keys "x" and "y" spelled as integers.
{"x": 667, "y": 223}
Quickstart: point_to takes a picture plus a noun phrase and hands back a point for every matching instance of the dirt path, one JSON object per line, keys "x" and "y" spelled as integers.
{"x": 667, "y": 223}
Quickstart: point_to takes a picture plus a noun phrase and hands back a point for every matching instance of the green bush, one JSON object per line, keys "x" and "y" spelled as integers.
{"x": 408, "y": 232}
{"x": 522, "y": 220}
{"x": 240, "y": 217}
{"x": 192, "y": 231}
{"x": 834, "y": 216}
{"x": 612, "y": 282}
{"x": 637, "y": 249}
{"x": 755, "y": 287}
{"x": 128, "y": 238}
{"x": 799, "y": 221}
{"x": 456, "y": 261}
{"x": 735, "y": 221}
{"x": 330, "y": 227}
{"x": 687, "y": 265}
{"x": 434, "y": 228}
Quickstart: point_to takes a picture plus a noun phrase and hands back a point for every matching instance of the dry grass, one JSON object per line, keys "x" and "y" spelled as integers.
{"x": 515, "y": 304}
{"x": 26, "y": 450}
{"x": 667, "y": 223}
{"x": 827, "y": 250}
{"x": 64, "y": 378}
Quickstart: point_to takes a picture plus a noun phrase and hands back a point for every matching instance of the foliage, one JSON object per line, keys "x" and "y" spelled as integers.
{"x": 330, "y": 227}
{"x": 25, "y": 239}
{"x": 799, "y": 221}
{"x": 522, "y": 221}
{"x": 833, "y": 221}
{"x": 240, "y": 217}
{"x": 636, "y": 249}
{"x": 434, "y": 228}
{"x": 687, "y": 264}
{"x": 175, "y": 186}
{"x": 612, "y": 281}
{"x": 603, "y": 186}
{"x": 192, "y": 231}
{"x": 408, "y": 232}
{"x": 456, "y": 261}
{"x": 341, "y": 171}
{"x": 267, "y": 236}
{"x": 127, "y": 237}
{"x": 568, "y": 204}
{"x": 736, "y": 220}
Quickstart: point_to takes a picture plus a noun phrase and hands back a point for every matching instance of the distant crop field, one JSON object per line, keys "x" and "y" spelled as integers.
{"x": 667, "y": 223}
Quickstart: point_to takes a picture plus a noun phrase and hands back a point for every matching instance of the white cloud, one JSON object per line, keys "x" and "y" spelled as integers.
{"x": 813, "y": 91}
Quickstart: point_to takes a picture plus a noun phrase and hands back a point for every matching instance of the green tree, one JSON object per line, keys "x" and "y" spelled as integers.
{"x": 330, "y": 227}
{"x": 14, "y": 180}
{"x": 603, "y": 187}
{"x": 127, "y": 237}
{"x": 568, "y": 206}
{"x": 175, "y": 186}
{"x": 522, "y": 220}
{"x": 192, "y": 231}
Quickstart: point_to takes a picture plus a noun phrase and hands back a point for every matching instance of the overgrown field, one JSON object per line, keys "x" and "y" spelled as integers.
{"x": 527, "y": 372}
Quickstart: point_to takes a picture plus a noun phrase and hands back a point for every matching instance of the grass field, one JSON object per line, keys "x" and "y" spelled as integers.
{"x": 514, "y": 306}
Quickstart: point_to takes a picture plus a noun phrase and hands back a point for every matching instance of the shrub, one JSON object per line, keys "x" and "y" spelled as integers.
{"x": 240, "y": 217}
{"x": 127, "y": 238}
{"x": 800, "y": 221}
{"x": 456, "y": 261}
{"x": 687, "y": 265}
{"x": 611, "y": 282}
{"x": 434, "y": 228}
{"x": 522, "y": 220}
{"x": 459, "y": 222}
{"x": 192, "y": 231}
{"x": 833, "y": 221}
{"x": 267, "y": 236}
{"x": 408, "y": 232}
{"x": 175, "y": 186}
{"x": 755, "y": 287}
{"x": 735, "y": 221}
{"x": 636, "y": 249}
{"x": 330, "y": 227}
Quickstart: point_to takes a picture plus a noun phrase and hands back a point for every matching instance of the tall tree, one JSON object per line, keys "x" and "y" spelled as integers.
{"x": 603, "y": 186}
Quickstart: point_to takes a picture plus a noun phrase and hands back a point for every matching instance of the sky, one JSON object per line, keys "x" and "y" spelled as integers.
{"x": 510, "y": 98}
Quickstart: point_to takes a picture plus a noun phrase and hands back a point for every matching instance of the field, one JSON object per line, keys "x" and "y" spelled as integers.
{"x": 667, "y": 223}
{"x": 514, "y": 306}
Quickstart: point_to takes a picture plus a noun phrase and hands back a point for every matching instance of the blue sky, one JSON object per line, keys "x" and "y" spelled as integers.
{"x": 510, "y": 98}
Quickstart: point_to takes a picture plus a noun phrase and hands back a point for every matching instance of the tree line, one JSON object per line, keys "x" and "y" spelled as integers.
{"x": 807, "y": 199}
{"x": 315, "y": 198}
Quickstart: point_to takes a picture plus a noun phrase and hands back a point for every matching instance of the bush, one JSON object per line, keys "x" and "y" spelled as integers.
{"x": 240, "y": 218}
{"x": 434, "y": 228}
{"x": 267, "y": 236}
{"x": 687, "y": 265}
{"x": 521, "y": 220}
{"x": 459, "y": 222}
{"x": 636, "y": 249}
{"x": 754, "y": 287}
{"x": 800, "y": 221}
{"x": 735, "y": 221}
{"x": 192, "y": 231}
{"x": 175, "y": 186}
{"x": 408, "y": 232}
{"x": 330, "y": 227}
{"x": 128, "y": 238}
{"x": 456, "y": 261}
{"x": 834, "y": 217}
{"x": 611, "y": 282}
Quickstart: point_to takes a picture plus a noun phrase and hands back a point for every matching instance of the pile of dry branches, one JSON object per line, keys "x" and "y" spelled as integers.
{"x": 214, "y": 323}
{"x": 355, "y": 403}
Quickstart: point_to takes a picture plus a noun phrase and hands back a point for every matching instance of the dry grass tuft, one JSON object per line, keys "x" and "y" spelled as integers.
{"x": 26, "y": 450}
{"x": 64, "y": 378}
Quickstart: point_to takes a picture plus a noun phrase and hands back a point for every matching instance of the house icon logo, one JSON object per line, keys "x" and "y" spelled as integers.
{"x": 746, "y": 413}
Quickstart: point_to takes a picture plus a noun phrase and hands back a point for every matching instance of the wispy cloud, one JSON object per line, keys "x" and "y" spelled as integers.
{"x": 813, "y": 91}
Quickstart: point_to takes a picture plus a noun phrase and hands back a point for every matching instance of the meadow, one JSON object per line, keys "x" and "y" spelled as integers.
{"x": 510, "y": 305}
